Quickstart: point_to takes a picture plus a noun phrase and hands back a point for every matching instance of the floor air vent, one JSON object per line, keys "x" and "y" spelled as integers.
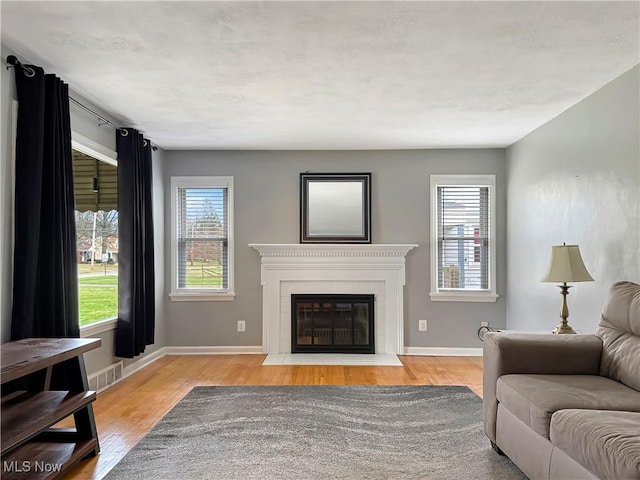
{"x": 103, "y": 379}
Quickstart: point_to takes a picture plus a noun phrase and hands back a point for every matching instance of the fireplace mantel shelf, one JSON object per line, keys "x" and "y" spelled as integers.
{"x": 312, "y": 268}
{"x": 331, "y": 249}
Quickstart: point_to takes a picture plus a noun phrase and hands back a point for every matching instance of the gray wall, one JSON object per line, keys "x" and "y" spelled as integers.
{"x": 87, "y": 126}
{"x": 576, "y": 180}
{"x": 267, "y": 211}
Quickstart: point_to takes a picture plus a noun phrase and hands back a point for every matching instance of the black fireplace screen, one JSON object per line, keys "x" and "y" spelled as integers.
{"x": 325, "y": 323}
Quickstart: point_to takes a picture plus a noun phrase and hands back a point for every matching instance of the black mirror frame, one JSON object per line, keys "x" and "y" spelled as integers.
{"x": 305, "y": 178}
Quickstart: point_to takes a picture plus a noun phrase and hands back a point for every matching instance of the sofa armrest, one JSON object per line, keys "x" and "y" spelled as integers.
{"x": 505, "y": 353}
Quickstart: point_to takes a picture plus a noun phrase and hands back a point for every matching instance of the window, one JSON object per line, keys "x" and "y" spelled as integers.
{"x": 96, "y": 202}
{"x": 463, "y": 238}
{"x": 202, "y": 238}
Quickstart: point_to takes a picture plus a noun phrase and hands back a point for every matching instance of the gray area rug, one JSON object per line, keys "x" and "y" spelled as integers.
{"x": 320, "y": 432}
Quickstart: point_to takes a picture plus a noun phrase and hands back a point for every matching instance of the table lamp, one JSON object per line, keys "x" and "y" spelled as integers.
{"x": 566, "y": 265}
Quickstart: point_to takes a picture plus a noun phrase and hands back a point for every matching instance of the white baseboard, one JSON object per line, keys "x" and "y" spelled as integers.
{"x": 444, "y": 351}
{"x": 143, "y": 362}
{"x": 213, "y": 350}
{"x": 257, "y": 349}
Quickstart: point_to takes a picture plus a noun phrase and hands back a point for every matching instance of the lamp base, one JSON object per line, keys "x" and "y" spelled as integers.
{"x": 563, "y": 328}
{"x": 564, "y": 312}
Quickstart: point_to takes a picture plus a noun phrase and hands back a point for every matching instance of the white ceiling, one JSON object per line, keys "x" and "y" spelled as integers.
{"x": 329, "y": 75}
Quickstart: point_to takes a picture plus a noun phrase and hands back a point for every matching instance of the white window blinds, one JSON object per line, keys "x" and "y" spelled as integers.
{"x": 463, "y": 237}
{"x": 202, "y": 229}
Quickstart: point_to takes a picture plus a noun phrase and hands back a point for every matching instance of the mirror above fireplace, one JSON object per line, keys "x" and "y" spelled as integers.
{"x": 335, "y": 208}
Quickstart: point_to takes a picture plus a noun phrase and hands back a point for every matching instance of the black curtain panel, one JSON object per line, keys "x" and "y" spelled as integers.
{"x": 45, "y": 279}
{"x": 136, "y": 299}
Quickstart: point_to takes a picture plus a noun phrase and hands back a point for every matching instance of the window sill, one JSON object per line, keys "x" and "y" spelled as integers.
{"x": 463, "y": 297}
{"x": 98, "y": 327}
{"x": 202, "y": 297}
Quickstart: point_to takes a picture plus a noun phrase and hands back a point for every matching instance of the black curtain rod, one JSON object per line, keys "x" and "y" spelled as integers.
{"x": 12, "y": 61}
{"x": 103, "y": 121}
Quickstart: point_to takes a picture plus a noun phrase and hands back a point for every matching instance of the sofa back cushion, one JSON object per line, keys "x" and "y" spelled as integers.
{"x": 619, "y": 330}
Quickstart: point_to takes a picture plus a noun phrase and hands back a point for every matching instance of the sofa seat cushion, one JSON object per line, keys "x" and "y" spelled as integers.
{"x": 534, "y": 398}
{"x": 606, "y": 442}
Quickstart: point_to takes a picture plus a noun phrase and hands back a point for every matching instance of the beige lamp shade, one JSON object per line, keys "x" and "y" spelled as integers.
{"x": 566, "y": 265}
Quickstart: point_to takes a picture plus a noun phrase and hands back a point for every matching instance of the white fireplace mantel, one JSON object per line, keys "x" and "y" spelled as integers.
{"x": 377, "y": 269}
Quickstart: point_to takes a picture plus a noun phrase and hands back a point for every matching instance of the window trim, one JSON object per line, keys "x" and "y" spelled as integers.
{"x": 462, "y": 295}
{"x": 201, "y": 294}
{"x": 93, "y": 149}
{"x": 98, "y": 327}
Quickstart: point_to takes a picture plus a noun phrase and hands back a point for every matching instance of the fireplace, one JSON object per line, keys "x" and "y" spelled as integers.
{"x": 332, "y": 323}
{"x": 288, "y": 269}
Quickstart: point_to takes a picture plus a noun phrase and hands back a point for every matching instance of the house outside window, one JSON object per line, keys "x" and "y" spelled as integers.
{"x": 202, "y": 238}
{"x": 463, "y": 238}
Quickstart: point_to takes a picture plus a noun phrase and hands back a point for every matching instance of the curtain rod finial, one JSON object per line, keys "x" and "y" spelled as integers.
{"x": 12, "y": 61}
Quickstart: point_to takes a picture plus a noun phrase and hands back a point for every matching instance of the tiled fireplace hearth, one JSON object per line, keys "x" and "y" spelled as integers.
{"x": 372, "y": 269}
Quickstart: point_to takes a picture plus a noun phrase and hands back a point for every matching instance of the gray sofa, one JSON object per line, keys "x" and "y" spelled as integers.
{"x": 568, "y": 406}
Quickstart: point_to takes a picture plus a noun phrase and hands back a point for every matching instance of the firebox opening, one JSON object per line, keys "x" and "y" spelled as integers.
{"x": 332, "y": 323}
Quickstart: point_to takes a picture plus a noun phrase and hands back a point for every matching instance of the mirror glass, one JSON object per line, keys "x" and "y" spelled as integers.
{"x": 335, "y": 208}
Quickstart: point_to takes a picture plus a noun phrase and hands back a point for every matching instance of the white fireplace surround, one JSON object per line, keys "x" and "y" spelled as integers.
{"x": 377, "y": 269}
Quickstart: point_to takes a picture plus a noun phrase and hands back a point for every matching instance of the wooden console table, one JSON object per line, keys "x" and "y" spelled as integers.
{"x": 33, "y": 400}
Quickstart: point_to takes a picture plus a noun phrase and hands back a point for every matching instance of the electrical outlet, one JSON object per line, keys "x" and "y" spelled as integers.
{"x": 422, "y": 325}
{"x": 241, "y": 326}
{"x": 484, "y": 324}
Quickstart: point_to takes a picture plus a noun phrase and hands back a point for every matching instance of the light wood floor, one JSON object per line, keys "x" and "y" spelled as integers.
{"x": 127, "y": 411}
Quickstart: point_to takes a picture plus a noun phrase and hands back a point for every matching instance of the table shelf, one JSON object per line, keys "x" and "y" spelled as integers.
{"x": 26, "y": 415}
{"x": 44, "y": 460}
